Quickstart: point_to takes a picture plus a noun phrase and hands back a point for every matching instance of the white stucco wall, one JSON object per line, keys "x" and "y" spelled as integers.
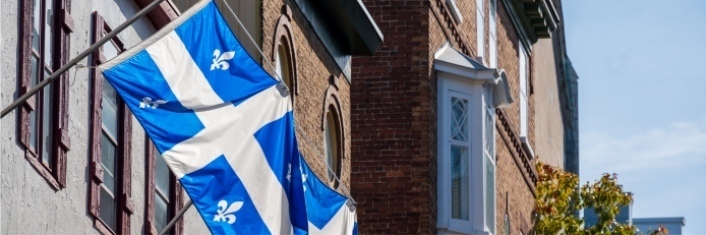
{"x": 549, "y": 129}
{"x": 28, "y": 204}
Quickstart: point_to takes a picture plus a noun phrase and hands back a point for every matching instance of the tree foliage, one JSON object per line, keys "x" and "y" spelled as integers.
{"x": 559, "y": 197}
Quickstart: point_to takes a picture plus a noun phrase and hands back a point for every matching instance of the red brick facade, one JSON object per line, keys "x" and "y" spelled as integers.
{"x": 394, "y": 119}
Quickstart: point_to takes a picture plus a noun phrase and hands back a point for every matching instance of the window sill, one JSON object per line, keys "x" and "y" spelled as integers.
{"x": 102, "y": 227}
{"x": 42, "y": 170}
{"x": 455, "y": 12}
{"x": 527, "y": 146}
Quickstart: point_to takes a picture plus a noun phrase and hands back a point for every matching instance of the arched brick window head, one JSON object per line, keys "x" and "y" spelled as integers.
{"x": 284, "y": 52}
{"x": 332, "y": 125}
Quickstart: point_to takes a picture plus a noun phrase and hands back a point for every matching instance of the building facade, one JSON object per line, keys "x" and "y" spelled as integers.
{"x": 556, "y": 101}
{"x": 75, "y": 161}
{"x": 444, "y": 116}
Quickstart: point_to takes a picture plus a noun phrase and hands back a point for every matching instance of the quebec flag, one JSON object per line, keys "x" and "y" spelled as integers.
{"x": 225, "y": 128}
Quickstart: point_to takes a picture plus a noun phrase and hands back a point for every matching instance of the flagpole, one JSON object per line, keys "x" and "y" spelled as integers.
{"x": 176, "y": 217}
{"x": 80, "y": 57}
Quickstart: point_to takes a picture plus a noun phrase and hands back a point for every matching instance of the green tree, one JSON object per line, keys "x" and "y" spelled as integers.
{"x": 559, "y": 196}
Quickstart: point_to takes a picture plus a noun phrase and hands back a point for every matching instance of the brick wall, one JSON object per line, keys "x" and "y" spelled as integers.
{"x": 513, "y": 192}
{"x": 393, "y": 116}
{"x": 390, "y": 112}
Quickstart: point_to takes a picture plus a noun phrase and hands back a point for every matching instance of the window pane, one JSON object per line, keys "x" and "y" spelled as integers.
{"x": 34, "y": 78}
{"x": 110, "y": 109}
{"x": 48, "y": 31}
{"x": 459, "y": 119}
{"x": 109, "y": 50}
{"x": 47, "y": 105}
{"x": 459, "y": 182}
{"x": 489, "y": 195}
{"x": 108, "y": 160}
{"x": 489, "y": 133}
{"x": 33, "y": 114}
{"x": 36, "y": 25}
{"x": 278, "y": 62}
{"x": 283, "y": 64}
{"x": 107, "y": 209}
{"x": 331, "y": 141}
{"x": 162, "y": 175}
{"x": 161, "y": 213}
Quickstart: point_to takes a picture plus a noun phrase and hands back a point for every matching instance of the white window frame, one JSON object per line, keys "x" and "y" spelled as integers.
{"x": 489, "y": 150}
{"x": 524, "y": 98}
{"x": 480, "y": 101}
{"x": 480, "y": 31}
{"x": 522, "y": 53}
{"x": 493, "y": 34}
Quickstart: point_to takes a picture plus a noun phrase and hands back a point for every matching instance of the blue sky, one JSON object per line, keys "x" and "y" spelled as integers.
{"x": 642, "y": 108}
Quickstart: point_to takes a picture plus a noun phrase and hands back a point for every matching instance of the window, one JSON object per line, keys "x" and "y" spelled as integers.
{"x": 282, "y": 63}
{"x": 480, "y": 30}
{"x": 489, "y": 159}
{"x": 523, "y": 89}
{"x": 43, "y": 117}
{"x": 467, "y": 150}
{"x": 111, "y": 126}
{"x": 468, "y": 96}
{"x": 459, "y": 145}
{"x": 332, "y": 144}
{"x": 164, "y": 194}
{"x": 492, "y": 40}
{"x": 284, "y": 54}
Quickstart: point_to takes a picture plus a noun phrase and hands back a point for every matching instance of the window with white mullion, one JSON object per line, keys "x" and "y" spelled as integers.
{"x": 458, "y": 147}
{"x": 470, "y": 99}
{"x": 489, "y": 161}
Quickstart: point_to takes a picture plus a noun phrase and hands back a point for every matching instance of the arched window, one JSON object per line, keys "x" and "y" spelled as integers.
{"x": 283, "y": 52}
{"x": 283, "y": 63}
{"x": 332, "y": 143}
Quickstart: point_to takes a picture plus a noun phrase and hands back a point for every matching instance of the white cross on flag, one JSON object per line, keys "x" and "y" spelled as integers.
{"x": 225, "y": 130}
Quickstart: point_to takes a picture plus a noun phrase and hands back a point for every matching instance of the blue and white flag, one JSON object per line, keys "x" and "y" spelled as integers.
{"x": 220, "y": 121}
{"x": 328, "y": 211}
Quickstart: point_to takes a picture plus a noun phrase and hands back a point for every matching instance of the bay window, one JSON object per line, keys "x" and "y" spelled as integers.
{"x": 468, "y": 94}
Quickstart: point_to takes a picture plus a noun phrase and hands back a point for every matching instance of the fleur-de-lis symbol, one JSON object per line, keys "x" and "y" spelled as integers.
{"x": 304, "y": 176}
{"x": 289, "y": 172}
{"x": 220, "y": 60}
{"x": 148, "y": 103}
{"x": 227, "y": 215}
